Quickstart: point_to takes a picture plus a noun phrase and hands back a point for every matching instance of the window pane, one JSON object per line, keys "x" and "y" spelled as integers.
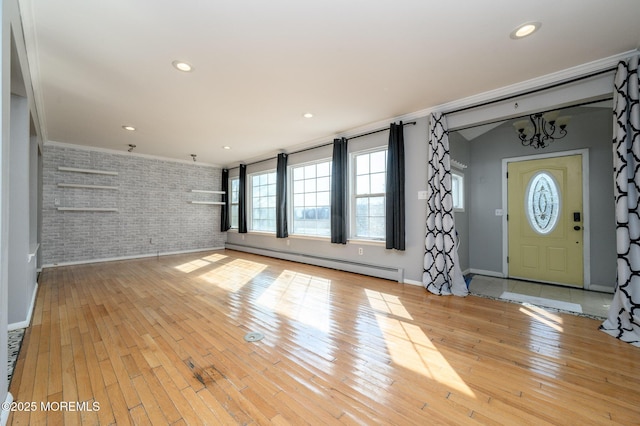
{"x": 323, "y": 169}
{"x": 378, "y": 183}
{"x": 362, "y": 164}
{"x": 263, "y": 201}
{"x": 369, "y": 211}
{"x": 362, "y": 185}
{"x": 378, "y": 161}
{"x": 309, "y": 217}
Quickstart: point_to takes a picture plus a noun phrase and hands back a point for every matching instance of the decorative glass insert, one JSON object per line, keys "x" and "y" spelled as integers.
{"x": 542, "y": 202}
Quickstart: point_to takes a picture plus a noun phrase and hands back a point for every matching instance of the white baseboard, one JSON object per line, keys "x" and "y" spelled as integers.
{"x": 413, "y": 282}
{"x": 27, "y": 321}
{"x": 379, "y": 271}
{"x": 135, "y": 256}
{"x": 5, "y": 413}
{"x": 602, "y": 288}
{"x": 487, "y": 273}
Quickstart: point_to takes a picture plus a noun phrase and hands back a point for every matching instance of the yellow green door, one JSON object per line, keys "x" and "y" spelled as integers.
{"x": 545, "y": 219}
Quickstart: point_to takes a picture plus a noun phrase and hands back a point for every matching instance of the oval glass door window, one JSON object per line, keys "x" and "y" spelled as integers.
{"x": 542, "y": 202}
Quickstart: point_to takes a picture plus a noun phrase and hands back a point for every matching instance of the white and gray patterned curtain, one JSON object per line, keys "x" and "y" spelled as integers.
{"x": 442, "y": 274}
{"x": 623, "y": 320}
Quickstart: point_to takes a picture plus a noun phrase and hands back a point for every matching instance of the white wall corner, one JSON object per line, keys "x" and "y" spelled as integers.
{"x": 5, "y": 409}
{"x": 27, "y": 321}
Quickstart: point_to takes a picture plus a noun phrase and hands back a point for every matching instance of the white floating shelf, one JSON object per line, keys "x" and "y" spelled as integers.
{"x": 207, "y": 192}
{"x": 220, "y": 203}
{"x": 87, "y": 209}
{"x": 74, "y": 185}
{"x": 95, "y": 172}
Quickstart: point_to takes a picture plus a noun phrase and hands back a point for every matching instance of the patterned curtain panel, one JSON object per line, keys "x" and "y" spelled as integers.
{"x": 623, "y": 319}
{"x": 442, "y": 274}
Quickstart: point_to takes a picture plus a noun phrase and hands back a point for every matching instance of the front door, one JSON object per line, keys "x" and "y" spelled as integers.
{"x": 545, "y": 220}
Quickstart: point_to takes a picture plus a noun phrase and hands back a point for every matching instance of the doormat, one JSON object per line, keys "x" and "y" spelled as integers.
{"x": 541, "y": 301}
{"x": 14, "y": 342}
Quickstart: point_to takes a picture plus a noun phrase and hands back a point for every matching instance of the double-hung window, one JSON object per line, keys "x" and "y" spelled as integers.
{"x": 263, "y": 202}
{"x": 311, "y": 201}
{"x": 234, "y": 187}
{"x": 368, "y": 194}
{"x": 457, "y": 191}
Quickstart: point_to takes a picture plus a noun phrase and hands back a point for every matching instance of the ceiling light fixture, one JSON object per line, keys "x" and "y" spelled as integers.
{"x": 131, "y": 146}
{"x": 307, "y": 115}
{"x": 525, "y": 30}
{"x": 540, "y": 129}
{"x": 194, "y": 157}
{"x": 129, "y": 128}
{"x": 226, "y": 147}
{"x": 182, "y": 66}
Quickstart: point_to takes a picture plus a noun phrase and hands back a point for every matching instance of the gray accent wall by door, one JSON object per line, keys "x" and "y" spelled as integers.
{"x": 153, "y": 214}
{"x": 591, "y": 129}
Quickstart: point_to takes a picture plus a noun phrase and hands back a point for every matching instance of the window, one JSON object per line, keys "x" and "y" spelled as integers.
{"x": 457, "y": 190}
{"x": 263, "y": 202}
{"x": 369, "y": 171}
{"x": 542, "y": 202}
{"x": 311, "y": 201}
{"x": 235, "y": 185}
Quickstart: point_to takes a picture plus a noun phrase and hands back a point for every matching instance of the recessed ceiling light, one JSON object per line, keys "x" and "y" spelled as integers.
{"x": 525, "y": 30}
{"x": 129, "y": 128}
{"x": 182, "y": 66}
{"x": 307, "y": 115}
{"x": 226, "y": 147}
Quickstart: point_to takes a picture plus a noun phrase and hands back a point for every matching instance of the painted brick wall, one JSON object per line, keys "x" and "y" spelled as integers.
{"x": 153, "y": 216}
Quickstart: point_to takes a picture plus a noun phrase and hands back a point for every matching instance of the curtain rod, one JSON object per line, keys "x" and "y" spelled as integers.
{"x": 540, "y": 89}
{"x": 323, "y": 145}
{"x": 472, "y": 126}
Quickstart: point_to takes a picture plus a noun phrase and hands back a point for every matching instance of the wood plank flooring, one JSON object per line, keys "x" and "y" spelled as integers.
{"x": 161, "y": 341}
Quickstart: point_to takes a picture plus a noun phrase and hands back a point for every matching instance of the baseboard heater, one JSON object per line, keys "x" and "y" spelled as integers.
{"x": 386, "y": 272}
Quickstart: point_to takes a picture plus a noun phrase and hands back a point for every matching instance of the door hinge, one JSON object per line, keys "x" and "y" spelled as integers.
{"x": 507, "y": 259}
{"x": 507, "y": 175}
{"x": 507, "y": 217}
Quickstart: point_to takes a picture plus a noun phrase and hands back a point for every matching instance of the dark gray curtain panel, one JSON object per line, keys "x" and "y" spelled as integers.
{"x": 281, "y": 197}
{"x": 242, "y": 200}
{"x": 339, "y": 182}
{"x": 394, "y": 199}
{"x": 623, "y": 319}
{"x": 225, "y": 219}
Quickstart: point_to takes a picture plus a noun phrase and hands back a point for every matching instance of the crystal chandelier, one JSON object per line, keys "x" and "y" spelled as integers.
{"x": 541, "y": 129}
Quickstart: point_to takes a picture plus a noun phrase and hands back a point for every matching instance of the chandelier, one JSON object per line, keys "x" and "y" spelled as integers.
{"x": 541, "y": 129}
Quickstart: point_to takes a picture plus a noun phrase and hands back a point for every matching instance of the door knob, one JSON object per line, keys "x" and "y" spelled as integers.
{"x": 577, "y": 228}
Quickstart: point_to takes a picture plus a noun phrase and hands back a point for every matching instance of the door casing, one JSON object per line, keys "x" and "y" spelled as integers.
{"x": 585, "y": 203}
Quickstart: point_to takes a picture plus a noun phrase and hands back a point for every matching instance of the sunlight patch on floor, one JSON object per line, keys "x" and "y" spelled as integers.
{"x": 409, "y": 346}
{"x": 387, "y": 303}
{"x": 301, "y": 297}
{"x": 542, "y": 316}
{"x": 234, "y": 275}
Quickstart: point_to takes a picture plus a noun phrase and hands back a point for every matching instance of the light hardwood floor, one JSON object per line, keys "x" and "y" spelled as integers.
{"x": 161, "y": 341}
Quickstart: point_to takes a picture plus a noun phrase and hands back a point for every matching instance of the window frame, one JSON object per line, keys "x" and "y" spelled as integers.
{"x": 251, "y": 201}
{"x": 354, "y": 196}
{"x": 458, "y": 199}
{"x": 231, "y": 203}
{"x": 291, "y": 196}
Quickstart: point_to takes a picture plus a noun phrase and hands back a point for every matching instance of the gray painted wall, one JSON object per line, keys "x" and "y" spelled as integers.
{"x": 153, "y": 216}
{"x": 411, "y": 259}
{"x": 591, "y": 130}
{"x": 460, "y": 150}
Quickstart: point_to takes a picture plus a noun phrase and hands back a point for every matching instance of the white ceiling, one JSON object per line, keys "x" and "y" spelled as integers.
{"x": 97, "y": 65}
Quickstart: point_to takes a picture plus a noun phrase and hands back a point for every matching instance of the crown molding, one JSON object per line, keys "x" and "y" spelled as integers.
{"x": 128, "y": 154}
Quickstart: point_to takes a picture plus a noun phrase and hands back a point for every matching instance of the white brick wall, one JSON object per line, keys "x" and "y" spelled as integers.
{"x": 153, "y": 216}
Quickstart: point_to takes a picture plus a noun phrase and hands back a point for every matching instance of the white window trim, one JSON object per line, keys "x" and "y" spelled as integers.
{"x": 460, "y": 175}
{"x": 351, "y": 226}
{"x": 230, "y": 195}
{"x": 290, "y": 215}
{"x": 249, "y": 203}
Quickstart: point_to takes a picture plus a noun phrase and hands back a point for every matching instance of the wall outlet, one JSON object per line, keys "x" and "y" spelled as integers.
{"x": 288, "y": 242}
{"x": 422, "y": 195}
{"x": 360, "y": 251}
